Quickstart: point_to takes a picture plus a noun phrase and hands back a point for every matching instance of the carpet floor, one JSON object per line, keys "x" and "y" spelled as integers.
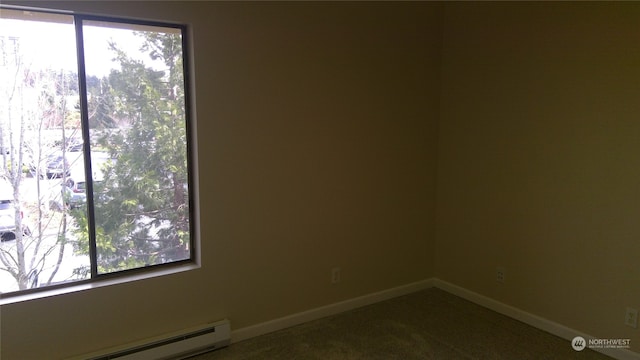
{"x": 429, "y": 324}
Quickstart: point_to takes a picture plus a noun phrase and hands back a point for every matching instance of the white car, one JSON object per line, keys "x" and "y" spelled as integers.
{"x": 8, "y": 222}
{"x": 74, "y": 193}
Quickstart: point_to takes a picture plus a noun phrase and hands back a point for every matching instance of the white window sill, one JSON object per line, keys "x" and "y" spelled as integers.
{"x": 92, "y": 284}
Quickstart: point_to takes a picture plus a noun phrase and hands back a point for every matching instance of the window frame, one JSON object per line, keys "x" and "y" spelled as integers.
{"x": 97, "y": 279}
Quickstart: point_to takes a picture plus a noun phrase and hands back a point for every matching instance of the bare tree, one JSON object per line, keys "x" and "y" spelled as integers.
{"x": 33, "y": 100}
{"x": 12, "y": 141}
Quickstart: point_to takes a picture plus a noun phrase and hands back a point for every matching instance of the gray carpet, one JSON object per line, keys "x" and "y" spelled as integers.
{"x": 430, "y": 324}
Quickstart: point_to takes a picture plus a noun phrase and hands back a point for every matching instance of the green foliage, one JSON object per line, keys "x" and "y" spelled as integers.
{"x": 141, "y": 205}
{"x": 101, "y": 103}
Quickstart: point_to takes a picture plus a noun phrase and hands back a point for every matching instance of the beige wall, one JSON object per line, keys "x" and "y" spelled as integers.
{"x": 317, "y": 135}
{"x": 539, "y": 159}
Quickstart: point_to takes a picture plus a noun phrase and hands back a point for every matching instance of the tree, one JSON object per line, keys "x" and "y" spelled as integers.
{"x": 34, "y": 100}
{"x": 101, "y": 102}
{"x": 141, "y": 203}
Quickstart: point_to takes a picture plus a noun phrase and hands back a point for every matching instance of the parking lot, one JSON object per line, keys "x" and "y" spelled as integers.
{"x": 41, "y": 203}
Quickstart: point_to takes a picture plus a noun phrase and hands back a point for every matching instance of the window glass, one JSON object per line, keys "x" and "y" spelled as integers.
{"x": 39, "y": 116}
{"x": 94, "y": 169}
{"x": 138, "y": 131}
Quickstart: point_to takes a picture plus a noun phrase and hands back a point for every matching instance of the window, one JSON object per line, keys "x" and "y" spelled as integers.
{"x": 95, "y": 169}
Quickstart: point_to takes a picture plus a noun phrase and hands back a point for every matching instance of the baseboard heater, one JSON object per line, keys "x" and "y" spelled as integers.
{"x": 179, "y": 345}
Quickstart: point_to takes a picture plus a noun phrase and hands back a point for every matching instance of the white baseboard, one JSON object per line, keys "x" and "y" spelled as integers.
{"x": 530, "y": 319}
{"x": 328, "y": 310}
{"x": 504, "y": 309}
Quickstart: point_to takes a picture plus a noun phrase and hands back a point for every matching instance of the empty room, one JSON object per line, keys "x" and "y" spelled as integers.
{"x": 303, "y": 161}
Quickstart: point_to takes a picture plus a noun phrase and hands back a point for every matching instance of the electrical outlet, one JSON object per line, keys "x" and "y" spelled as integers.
{"x": 501, "y": 274}
{"x": 631, "y": 318}
{"x": 335, "y": 275}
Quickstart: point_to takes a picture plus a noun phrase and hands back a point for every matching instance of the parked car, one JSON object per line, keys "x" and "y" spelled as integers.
{"x": 52, "y": 166}
{"x": 75, "y": 147}
{"x": 74, "y": 193}
{"x": 8, "y": 220}
{"x": 56, "y": 166}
